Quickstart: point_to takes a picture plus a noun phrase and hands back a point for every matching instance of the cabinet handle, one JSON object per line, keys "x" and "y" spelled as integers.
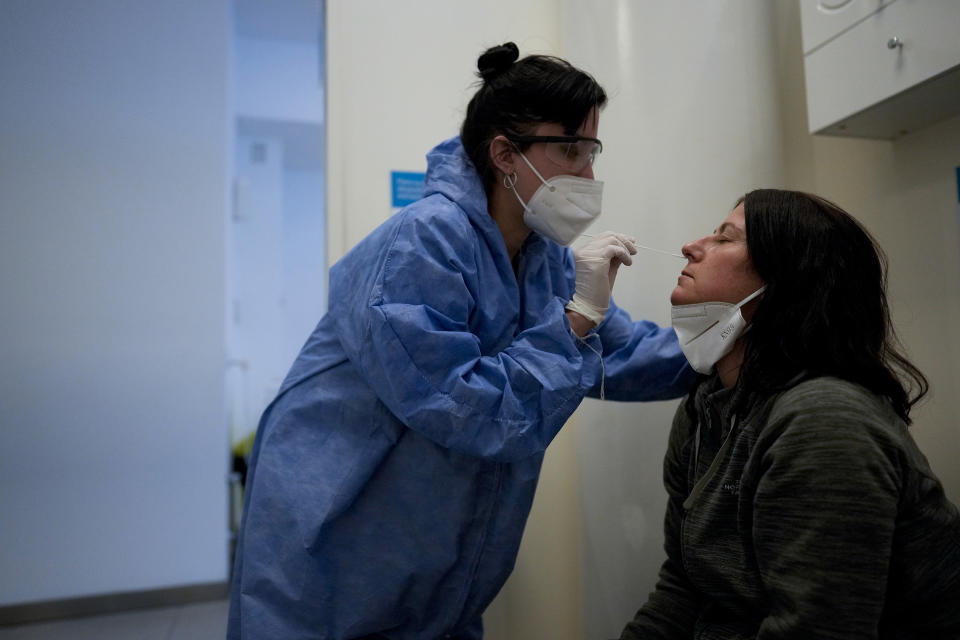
{"x": 894, "y": 43}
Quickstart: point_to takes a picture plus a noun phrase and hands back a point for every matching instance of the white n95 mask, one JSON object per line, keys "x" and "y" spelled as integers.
{"x": 707, "y": 331}
{"x": 563, "y": 207}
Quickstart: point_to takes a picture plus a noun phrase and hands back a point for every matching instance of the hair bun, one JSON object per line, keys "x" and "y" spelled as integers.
{"x": 497, "y": 59}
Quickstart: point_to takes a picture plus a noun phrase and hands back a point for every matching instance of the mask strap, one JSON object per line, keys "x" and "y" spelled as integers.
{"x": 748, "y": 299}
{"x": 751, "y": 296}
{"x": 534, "y": 169}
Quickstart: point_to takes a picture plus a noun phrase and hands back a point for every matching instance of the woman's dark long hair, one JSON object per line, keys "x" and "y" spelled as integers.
{"x": 825, "y": 310}
{"x": 516, "y": 96}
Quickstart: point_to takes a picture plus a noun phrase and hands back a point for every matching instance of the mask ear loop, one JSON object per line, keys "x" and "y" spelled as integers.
{"x": 536, "y": 173}
{"x": 751, "y": 296}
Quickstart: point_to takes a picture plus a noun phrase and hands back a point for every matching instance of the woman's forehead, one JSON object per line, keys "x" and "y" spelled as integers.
{"x": 735, "y": 218}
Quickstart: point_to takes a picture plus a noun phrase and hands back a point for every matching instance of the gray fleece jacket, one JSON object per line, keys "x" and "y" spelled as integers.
{"x": 812, "y": 516}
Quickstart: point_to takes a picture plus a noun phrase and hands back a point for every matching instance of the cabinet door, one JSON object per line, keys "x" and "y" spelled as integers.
{"x": 863, "y": 67}
{"x": 822, "y": 20}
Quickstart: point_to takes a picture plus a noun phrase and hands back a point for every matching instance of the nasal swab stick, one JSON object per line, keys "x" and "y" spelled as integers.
{"x": 668, "y": 253}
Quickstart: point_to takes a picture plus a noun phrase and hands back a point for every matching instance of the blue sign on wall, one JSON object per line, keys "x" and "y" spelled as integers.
{"x": 406, "y": 187}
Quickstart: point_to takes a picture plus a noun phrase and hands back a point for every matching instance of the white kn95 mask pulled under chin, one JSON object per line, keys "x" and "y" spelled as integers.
{"x": 707, "y": 331}
{"x": 563, "y": 207}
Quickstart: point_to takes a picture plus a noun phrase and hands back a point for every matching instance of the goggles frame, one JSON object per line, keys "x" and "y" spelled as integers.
{"x": 591, "y": 158}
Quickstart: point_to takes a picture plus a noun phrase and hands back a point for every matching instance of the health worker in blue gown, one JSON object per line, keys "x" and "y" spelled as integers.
{"x": 391, "y": 478}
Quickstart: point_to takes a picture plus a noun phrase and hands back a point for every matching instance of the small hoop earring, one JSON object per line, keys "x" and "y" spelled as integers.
{"x": 510, "y": 181}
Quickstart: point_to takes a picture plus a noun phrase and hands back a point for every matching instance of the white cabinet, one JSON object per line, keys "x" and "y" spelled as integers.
{"x": 823, "y": 20}
{"x": 880, "y": 68}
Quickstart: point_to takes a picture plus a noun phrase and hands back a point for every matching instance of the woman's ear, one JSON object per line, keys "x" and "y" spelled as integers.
{"x": 502, "y": 155}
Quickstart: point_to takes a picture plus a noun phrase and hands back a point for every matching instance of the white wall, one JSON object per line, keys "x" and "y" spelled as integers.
{"x": 113, "y": 201}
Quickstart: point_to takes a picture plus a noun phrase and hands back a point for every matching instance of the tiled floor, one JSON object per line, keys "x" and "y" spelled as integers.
{"x": 205, "y": 621}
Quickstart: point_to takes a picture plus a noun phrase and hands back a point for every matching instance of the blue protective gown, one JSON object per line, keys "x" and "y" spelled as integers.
{"x": 391, "y": 478}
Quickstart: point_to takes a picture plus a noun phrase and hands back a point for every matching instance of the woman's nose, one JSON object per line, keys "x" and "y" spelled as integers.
{"x": 587, "y": 172}
{"x": 692, "y": 250}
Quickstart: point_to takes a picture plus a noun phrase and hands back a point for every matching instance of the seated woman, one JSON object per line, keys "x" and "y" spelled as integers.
{"x": 799, "y": 505}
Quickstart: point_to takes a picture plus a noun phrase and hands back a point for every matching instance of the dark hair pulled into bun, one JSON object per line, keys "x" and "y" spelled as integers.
{"x": 496, "y": 60}
{"x": 517, "y": 94}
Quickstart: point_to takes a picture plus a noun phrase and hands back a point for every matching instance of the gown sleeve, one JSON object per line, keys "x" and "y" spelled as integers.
{"x": 642, "y": 361}
{"x": 409, "y": 333}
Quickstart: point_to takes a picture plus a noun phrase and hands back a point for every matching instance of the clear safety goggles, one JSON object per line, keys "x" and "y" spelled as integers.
{"x": 568, "y": 152}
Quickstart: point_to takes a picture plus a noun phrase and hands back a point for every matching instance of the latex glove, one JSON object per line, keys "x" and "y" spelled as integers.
{"x": 597, "y": 263}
